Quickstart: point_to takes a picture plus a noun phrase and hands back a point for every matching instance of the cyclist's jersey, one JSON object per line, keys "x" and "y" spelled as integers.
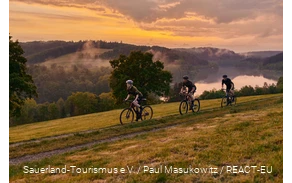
{"x": 228, "y": 83}
{"x": 134, "y": 91}
{"x": 189, "y": 85}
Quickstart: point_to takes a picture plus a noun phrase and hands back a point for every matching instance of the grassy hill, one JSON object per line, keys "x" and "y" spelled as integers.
{"x": 100, "y": 120}
{"x": 249, "y": 134}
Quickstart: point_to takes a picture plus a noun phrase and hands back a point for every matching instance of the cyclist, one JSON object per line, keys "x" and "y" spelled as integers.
{"x": 229, "y": 86}
{"x": 191, "y": 88}
{"x": 132, "y": 90}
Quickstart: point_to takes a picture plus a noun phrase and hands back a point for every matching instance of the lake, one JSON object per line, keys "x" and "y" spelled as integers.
{"x": 239, "y": 82}
{"x": 208, "y": 80}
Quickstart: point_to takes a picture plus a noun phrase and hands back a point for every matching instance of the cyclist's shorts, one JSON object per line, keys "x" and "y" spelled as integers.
{"x": 229, "y": 88}
{"x": 139, "y": 99}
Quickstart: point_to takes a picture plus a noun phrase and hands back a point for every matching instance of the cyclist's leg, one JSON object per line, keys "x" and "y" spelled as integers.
{"x": 191, "y": 100}
{"x": 232, "y": 90}
{"x": 232, "y": 93}
{"x": 191, "y": 97}
{"x": 227, "y": 92}
{"x": 138, "y": 105}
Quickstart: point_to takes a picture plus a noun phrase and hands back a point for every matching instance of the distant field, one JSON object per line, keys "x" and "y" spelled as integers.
{"x": 250, "y": 134}
{"x": 101, "y": 120}
{"x": 74, "y": 58}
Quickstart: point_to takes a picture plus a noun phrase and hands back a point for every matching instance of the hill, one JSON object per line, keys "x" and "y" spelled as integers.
{"x": 260, "y": 54}
{"x": 40, "y": 51}
{"x": 207, "y": 139}
{"x": 274, "y": 62}
{"x": 215, "y": 54}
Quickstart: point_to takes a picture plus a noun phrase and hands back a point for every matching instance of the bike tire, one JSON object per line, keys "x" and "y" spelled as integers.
{"x": 183, "y": 107}
{"x": 127, "y": 116}
{"x": 196, "y": 107}
{"x": 147, "y": 113}
{"x": 224, "y": 102}
{"x": 235, "y": 99}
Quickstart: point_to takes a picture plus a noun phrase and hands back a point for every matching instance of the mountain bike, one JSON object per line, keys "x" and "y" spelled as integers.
{"x": 186, "y": 104}
{"x": 127, "y": 115}
{"x": 228, "y": 99}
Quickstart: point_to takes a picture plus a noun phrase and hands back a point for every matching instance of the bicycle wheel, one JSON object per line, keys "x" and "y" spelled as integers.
{"x": 224, "y": 102}
{"x": 147, "y": 113}
{"x": 183, "y": 107}
{"x": 196, "y": 106}
{"x": 234, "y": 102}
{"x": 127, "y": 116}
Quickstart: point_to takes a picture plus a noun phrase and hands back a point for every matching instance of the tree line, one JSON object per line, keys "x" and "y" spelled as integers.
{"x": 78, "y": 103}
{"x": 56, "y": 82}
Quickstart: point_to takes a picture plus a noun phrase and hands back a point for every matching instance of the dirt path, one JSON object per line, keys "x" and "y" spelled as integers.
{"x": 38, "y": 156}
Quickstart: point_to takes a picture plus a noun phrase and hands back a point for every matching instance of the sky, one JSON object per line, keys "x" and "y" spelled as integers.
{"x": 239, "y": 25}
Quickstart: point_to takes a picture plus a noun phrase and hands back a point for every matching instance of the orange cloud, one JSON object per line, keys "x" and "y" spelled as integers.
{"x": 173, "y": 23}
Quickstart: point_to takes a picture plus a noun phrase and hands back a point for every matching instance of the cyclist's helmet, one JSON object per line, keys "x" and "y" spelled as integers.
{"x": 129, "y": 82}
{"x": 185, "y": 77}
{"x": 224, "y": 76}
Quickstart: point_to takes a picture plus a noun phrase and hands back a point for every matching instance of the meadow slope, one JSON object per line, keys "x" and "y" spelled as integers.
{"x": 100, "y": 120}
{"x": 250, "y": 134}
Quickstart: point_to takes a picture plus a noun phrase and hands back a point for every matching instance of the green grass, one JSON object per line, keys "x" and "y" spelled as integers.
{"x": 251, "y": 136}
{"x": 101, "y": 120}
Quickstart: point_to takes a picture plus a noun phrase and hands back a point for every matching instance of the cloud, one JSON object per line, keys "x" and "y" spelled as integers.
{"x": 203, "y": 21}
{"x": 55, "y": 16}
{"x": 224, "y": 18}
{"x": 223, "y": 11}
{"x": 263, "y": 26}
{"x": 149, "y": 11}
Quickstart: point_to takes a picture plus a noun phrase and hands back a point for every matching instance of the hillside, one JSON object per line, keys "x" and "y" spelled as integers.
{"x": 274, "y": 62}
{"x": 215, "y": 54}
{"x": 261, "y": 54}
{"x": 39, "y": 52}
{"x": 206, "y": 139}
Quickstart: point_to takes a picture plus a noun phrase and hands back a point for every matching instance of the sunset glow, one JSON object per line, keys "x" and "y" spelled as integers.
{"x": 240, "y": 26}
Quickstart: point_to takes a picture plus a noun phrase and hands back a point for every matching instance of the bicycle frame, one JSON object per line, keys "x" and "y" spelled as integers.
{"x": 186, "y": 96}
{"x": 227, "y": 94}
{"x": 132, "y": 105}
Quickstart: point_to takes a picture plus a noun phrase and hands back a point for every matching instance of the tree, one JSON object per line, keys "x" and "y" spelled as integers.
{"x": 28, "y": 113}
{"x": 106, "y": 101}
{"x": 247, "y": 91}
{"x": 148, "y": 76}
{"x": 280, "y": 85}
{"x": 81, "y": 103}
{"x": 174, "y": 93}
{"x": 21, "y": 85}
{"x": 61, "y": 107}
{"x": 53, "y": 111}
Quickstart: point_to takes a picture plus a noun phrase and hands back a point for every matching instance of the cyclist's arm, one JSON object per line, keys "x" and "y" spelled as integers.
{"x": 136, "y": 97}
{"x": 181, "y": 90}
{"x": 222, "y": 83}
{"x": 128, "y": 96}
{"x": 193, "y": 89}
